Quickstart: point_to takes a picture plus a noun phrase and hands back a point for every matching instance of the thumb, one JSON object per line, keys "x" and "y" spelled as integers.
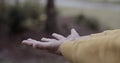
{"x": 74, "y": 34}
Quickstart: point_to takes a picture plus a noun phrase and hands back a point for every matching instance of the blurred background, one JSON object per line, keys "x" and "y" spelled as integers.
{"x": 23, "y": 19}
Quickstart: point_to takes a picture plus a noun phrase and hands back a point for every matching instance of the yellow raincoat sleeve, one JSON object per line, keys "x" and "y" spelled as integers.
{"x": 98, "y": 48}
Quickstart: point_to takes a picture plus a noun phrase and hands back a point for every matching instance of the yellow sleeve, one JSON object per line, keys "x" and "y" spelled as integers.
{"x": 108, "y": 32}
{"x": 96, "y": 49}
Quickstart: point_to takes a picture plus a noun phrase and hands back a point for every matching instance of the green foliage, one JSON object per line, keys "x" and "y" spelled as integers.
{"x": 80, "y": 19}
{"x": 16, "y": 16}
{"x": 32, "y": 10}
{"x": 89, "y": 22}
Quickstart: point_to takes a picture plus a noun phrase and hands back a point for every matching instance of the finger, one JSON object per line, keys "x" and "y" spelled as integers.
{"x": 58, "y": 36}
{"x": 48, "y": 40}
{"x": 41, "y": 45}
{"x": 26, "y": 42}
{"x": 29, "y": 41}
{"x": 35, "y": 43}
{"x": 74, "y": 32}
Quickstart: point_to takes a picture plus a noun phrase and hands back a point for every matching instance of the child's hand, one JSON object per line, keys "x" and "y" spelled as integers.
{"x": 52, "y": 45}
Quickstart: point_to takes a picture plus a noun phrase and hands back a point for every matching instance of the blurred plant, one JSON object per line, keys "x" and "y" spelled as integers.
{"x": 16, "y": 16}
{"x": 91, "y": 23}
{"x": 32, "y": 10}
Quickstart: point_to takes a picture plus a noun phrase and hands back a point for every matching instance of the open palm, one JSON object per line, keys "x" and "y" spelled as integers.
{"x": 52, "y": 45}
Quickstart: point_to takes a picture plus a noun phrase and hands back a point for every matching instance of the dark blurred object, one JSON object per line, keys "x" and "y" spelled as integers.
{"x": 17, "y": 16}
{"x": 51, "y": 25}
{"x": 2, "y": 11}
